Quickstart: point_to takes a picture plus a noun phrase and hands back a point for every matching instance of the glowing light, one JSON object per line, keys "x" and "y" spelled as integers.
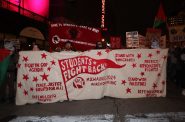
{"x": 102, "y": 39}
{"x": 40, "y": 7}
{"x": 16, "y": 2}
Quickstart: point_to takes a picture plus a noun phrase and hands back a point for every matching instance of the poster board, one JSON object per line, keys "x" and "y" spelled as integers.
{"x": 132, "y": 39}
{"x": 177, "y": 33}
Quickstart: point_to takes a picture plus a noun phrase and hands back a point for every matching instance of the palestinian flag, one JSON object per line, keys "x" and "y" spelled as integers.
{"x": 160, "y": 18}
{"x": 4, "y": 62}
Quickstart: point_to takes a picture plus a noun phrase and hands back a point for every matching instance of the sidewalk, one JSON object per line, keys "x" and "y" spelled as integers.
{"x": 119, "y": 108}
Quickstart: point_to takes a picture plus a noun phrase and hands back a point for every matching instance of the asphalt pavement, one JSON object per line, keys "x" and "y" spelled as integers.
{"x": 103, "y": 110}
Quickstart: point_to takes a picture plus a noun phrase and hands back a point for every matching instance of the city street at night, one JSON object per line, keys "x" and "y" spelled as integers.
{"x": 92, "y": 60}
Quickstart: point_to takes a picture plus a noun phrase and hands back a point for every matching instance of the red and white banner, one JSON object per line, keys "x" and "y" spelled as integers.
{"x": 82, "y": 37}
{"x": 49, "y": 77}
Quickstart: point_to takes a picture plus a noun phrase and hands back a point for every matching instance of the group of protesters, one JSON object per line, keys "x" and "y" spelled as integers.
{"x": 176, "y": 67}
{"x": 8, "y": 66}
{"x": 68, "y": 46}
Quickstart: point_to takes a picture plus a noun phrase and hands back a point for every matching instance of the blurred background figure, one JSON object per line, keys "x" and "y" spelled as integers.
{"x": 58, "y": 49}
{"x": 8, "y": 84}
{"x": 100, "y": 45}
{"x": 68, "y": 46}
{"x": 35, "y": 47}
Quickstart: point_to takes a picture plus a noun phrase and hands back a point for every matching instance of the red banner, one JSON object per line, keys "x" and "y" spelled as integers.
{"x": 82, "y": 37}
{"x": 72, "y": 67}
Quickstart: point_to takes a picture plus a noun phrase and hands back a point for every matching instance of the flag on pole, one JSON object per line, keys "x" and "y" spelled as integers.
{"x": 4, "y": 62}
{"x": 160, "y": 18}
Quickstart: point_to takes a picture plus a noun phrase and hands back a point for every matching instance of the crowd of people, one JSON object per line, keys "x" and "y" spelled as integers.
{"x": 68, "y": 46}
{"x": 8, "y": 86}
{"x": 176, "y": 67}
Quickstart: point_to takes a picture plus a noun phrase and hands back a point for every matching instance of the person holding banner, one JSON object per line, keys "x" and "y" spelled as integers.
{"x": 8, "y": 73}
{"x": 35, "y": 47}
{"x": 68, "y": 46}
{"x": 4, "y": 62}
{"x": 154, "y": 43}
{"x": 58, "y": 49}
{"x": 100, "y": 45}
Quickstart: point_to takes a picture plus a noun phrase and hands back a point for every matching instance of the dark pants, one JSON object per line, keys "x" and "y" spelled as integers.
{"x": 7, "y": 90}
{"x": 3, "y": 91}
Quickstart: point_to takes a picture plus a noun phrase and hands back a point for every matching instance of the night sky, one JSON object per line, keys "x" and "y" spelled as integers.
{"x": 121, "y": 15}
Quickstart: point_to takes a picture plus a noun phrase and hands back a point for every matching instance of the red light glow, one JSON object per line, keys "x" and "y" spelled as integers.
{"x": 40, "y": 7}
{"x": 16, "y": 2}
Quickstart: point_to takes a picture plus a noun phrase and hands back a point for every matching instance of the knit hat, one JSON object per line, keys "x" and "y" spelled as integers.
{"x": 9, "y": 45}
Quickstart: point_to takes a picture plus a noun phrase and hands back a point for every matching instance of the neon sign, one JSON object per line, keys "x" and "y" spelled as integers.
{"x": 103, "y": 14}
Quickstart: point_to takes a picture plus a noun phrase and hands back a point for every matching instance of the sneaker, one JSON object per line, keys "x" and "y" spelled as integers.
{"x": 183, "y": 92}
